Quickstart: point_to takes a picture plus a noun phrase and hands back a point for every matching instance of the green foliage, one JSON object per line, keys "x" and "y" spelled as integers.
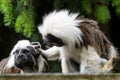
{"x": 25, "y": 22}
{"x": 6, "y": 7}
{"x": 20, "y": 16}
{"x": 57, "y": 4}
{"x": 54, "y": 66}
{"x": 116, "y": 4}
{"x": 102, "y": 13}
{"x": 87, "y": 6}
{"x": 95, "y": 8}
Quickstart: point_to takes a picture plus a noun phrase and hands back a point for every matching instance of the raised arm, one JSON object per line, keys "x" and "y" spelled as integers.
{"x": 51, "y": 53}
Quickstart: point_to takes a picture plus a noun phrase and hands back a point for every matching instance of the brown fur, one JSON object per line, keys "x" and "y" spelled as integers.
{"x": 94, "y": 37}
{"x": 4, "y": 70}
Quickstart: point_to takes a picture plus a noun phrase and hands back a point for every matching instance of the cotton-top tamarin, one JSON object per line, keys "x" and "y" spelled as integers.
{"x": 27, "y": 57}
{"x": 77, "y": 42}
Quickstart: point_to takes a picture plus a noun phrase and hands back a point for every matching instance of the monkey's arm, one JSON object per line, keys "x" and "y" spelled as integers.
{"x": 51, "y": 53}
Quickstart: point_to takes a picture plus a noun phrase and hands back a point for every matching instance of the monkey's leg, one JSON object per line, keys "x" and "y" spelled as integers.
{"x": 82, "y": 66}
{"x": 90, "y": 61}
{"x": 65, "y": 66}
{"x": 90, "y": 66}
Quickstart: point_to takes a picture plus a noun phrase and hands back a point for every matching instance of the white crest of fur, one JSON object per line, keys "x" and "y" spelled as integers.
{"x": 20, "y": 44}
{"x": 62, "y": 24}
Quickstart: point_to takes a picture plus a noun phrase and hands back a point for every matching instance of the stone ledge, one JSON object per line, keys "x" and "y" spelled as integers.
{"x": 57, "y": 76}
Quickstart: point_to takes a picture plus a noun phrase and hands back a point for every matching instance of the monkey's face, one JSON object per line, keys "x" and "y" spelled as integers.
{"x": 50, "y": 40}
{"x": 26, "y": 58}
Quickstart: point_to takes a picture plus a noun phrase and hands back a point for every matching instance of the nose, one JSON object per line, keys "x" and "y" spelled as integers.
{"x": 21, "y": 58}
{"x": 21, "y": 55}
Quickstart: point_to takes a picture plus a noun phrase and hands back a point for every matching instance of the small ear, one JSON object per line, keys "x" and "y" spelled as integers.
{"x": 36, "y": 44}
{"x": 34, "y": 51}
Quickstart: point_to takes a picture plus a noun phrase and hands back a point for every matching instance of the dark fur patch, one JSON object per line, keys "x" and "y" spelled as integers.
{"x": 74, "y": 65}
{"x": 51, "y": 40}
{"x": 93, "y": 36}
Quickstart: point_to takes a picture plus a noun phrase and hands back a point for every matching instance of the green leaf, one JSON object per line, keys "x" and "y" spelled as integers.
{"x": 19, "y": 24}
{"x": 102, "y": 13}
{"x": 116, "y": 4}
{"x": 6, "y": 7}
{"x": 118, "y": 10}
{"x": 25, "y": 23}
{"x": 86, "y": 5}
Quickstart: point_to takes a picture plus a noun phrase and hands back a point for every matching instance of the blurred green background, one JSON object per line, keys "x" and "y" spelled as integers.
{"x": 19, "y": 20}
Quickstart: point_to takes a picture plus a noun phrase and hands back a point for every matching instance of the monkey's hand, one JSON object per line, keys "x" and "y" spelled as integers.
{"x": 51, "y": 53}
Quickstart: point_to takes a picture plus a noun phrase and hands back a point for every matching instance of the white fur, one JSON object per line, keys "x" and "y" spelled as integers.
{"x": 103, "y": 61}
{"x": 52, "y": 53}
{"x": 19, "y": 44}
{"x": 41, "y": 63}
{"x": 63, "y": 25}
{"x": 10, "y": 62}
{"x": 88, "y": 58}
{"x": 113, "y": 52}
{"x": 90, "y": 61}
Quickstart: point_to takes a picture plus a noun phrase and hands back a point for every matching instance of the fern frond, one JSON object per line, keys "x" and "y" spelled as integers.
{"x": 7, "y": 9}
{"x": 25, "y": 22}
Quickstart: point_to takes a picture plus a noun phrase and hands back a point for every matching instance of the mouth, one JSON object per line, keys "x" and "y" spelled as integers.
{"x": 20, "y": 63}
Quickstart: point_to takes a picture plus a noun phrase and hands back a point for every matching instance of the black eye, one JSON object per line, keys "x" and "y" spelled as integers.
{"x": 17, "y": 51}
